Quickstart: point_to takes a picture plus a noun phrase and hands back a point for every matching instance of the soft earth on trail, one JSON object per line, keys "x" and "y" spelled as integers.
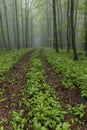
{"x": 14, "y": 83}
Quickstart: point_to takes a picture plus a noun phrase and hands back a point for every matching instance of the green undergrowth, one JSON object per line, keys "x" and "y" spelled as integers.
{"x": 42, "y": 109}
{"x": 18, "y": 122}
{"x": 74, "y": 73}
{"x": 45, "y": 113}
{"x": 76, "y": 114}
{"x": 8, "y": 60}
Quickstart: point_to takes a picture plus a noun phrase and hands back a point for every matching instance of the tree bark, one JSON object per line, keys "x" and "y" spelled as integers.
{"x": 55, "y": 40}
{"x": 86, "y": 30}
{"x": 59, "y": 14}
{"x": 26, "y": 21}
{"x": 8, "y": 36}
{"x": 22, "y": 24}
{"x": 16, "y": 11}
{"x": 3, "y": 36}
{"x": 31, "y": 32}
{"x": 73, "y": 31}
{"x": 68, "y": 26}
{"x": 14, "y": 30}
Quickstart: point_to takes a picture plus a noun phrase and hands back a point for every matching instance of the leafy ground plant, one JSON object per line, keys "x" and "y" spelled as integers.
{"x": 45, "y": 112}
{"x": 78, "y": 110}
{"x": 18, "y": 122}
{"x": 8, "y": 60}
{"x": 74, "y": 74}
{"x": 1, "y": 127}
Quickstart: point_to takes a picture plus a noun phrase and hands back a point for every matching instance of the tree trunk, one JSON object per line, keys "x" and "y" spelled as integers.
{"x": 14, "y": 30}
{"x": 86, "y": 40}
{"x": 55, "y": 40}
{"x": 73, "y": 30}
{"x": 22, "y": 24}
{"x": 61, "y": 46}
{"x": 31, "y": 32}
{"x": 17, "y": 26}
{"x": 3, "y": 36}
{"x": 68, "y": 26}
{"x": 26, "y": 21}
{"x": 86, "y": 30}
{"x": 76, "y": 13}
{"x": 5, "y": 8}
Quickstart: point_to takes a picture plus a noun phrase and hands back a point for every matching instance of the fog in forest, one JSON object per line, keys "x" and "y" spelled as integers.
{"x": 43, "y": 64}
{"x": 38, "y": 23}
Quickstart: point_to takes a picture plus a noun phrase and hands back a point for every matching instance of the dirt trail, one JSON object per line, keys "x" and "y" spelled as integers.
{"x": 66, "y": 95}
{"x": 15, "y": 81}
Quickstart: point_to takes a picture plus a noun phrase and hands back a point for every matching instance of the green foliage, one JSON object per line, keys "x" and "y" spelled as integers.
{"x": 74, "y": 74}
{"x": 1, "y": 127}
{"x": 18, "y": 122}
{"x": 78, "y": 110}
{"x": 45, "y": 112}
{"x": 1, "y": 99}
{"x": 3, "y": 122}
{"x": 63, "y": 126}
{"x": 8, "y": 60}
{"x": 82, "y": 7}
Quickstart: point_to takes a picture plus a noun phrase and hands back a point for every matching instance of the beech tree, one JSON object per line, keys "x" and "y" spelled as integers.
{"x": 6, "y": 18}
{"x": 86, "y": 28}
{"x": 2, "y": 31}
{"x": 17, "y": 23}
{"x": 14, "y": 26}
{"x": 73, "y": 30}
{"x": 22, "y": 20}
{"x": 55, "y": 39}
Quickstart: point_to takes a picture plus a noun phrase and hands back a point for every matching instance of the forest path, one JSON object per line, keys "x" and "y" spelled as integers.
{"x": 12, "y": 88}
{"x": 64, "y": 95}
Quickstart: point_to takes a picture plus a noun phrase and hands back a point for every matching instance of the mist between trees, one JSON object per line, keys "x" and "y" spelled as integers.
{"x": 61, "y": 24}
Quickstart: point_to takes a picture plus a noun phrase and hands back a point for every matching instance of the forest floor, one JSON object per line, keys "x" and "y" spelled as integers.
{"x": 15, "y": 81}
{"x": 12, "y": 88}
{"x": 66, "y": 96}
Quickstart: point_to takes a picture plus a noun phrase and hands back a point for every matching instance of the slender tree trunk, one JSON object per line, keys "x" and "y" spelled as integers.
{"x": 73, "y": 31}
{"x": 22, "y": 23}
{"x": 8, "y": 36}
{"x": 47, "y": 25}
{"x": 31, "y": 32}
{"x": 17, "y": 26}
{"x": 14, "y": 31}
{"x": 26, "y": 21}
{"x": 86, "y": 40}
{"x": 3, "y": 36}
{"x": 68, "y": 26}
{"x": 55, "y": 40}
{"x": 76, "y": 13}
{"x": 1, "y": 47}
{"x": 59, "y": 13}
{"x": 86, "y": 30}
{"x": 61, "y": 46}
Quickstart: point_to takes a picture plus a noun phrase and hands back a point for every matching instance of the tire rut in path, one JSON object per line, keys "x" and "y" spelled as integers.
{"x": 15, "y": 81}
{"x": 66, "y": 95}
